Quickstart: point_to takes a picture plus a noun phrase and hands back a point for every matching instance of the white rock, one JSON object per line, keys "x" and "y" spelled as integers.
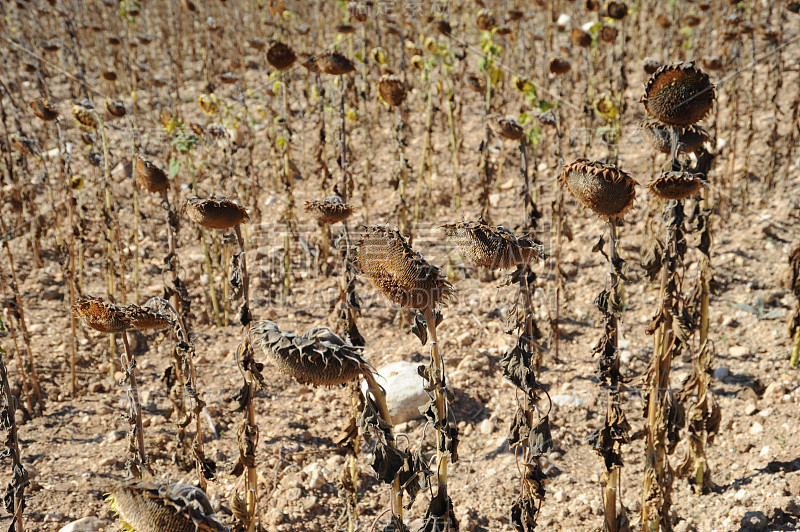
{"x": 750, "y": 408}
{"x": 87, "y": 524}
{"x": 486, "y": 427}
{"x": 774, "y": 392}
{"x": 404, "y": 392}
{"x": 738, "y": 351}
{"x": 560, "y": 496}
{"x": 764, "y": 451}
{"x": 721, "y": 373}
{"x": 564, "y": 21}
{"x": 571, "y": 401}
{"x": 756, "y": 428}
{"x": 115, "y": 436}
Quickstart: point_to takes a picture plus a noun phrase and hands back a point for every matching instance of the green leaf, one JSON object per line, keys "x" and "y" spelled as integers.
{"x": 523, "y": 119}
{"x": 174, "y": 168}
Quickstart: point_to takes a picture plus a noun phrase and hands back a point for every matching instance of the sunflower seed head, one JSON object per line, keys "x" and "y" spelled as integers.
{"x": 603, "y": 188}
{"x": 492, "y": 247}
{"x": 318, "y": 357}
{"x": 329, "y": 210}
{"x": 398, "y": 272}
{"x": 150, "y": 177}
{"x": 675, "y": 185}
{"x": 334, "y": 63}
{"x": 280, "y": 56}
{"x": 216, "y": 212}
{"x": 678, "y": 95}
{"x": 42, "y": 109}
{"x": 152, "y": 507}
{"x": 690, "y": 138}
{"x": 101, "y": 315}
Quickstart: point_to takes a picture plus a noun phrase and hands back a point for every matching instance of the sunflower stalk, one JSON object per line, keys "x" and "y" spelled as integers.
{"x": 135, "y": 416}
{"x": 15, "y": 492}
{"x": 26, "y": 337}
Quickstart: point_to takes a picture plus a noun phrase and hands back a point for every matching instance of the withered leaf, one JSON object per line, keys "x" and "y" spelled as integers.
{"x": 599, "y": 247}
{"x": 450, "y": 442}
{"x": 440, "y": 515}
{"x": 540, "y": 439}
{"x": 651, "y": 261}
{"x": 523, "y": 514}
{"x": 387, "y": 462}
{"x": 420, "y": 328}
{"x": 241, "y": 398}
{"x": 517, "y": 364}
{"x": 413, "y": 476}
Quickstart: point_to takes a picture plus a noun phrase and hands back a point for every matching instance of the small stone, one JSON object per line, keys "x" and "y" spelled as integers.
{"x": 560, "y": 497}
{"x": 115, "y": 436}
{"x": 764, "y": 451}
{"x": 750, "y": 408}
{"x": 721, "y": 373}
{"x": 87, "y": 524}
{"x": 309, "y": 503}
{"x": 316, "y": 480}
{"x": 108, "y": 461}
{"x": 97, "y": 387}
{"x": 742, "y": 496}
{"x": 774, "y": 392}
{"x": 738, "y": 351}
{"x": 486, "y": 427}
{"x": 293, "y": 494}
{"x": 756, "y": 428}
{"x": 570, "y": 401}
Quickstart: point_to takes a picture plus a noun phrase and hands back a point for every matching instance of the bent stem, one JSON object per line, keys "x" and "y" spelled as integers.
{"x": 441, "y": 401}
{"x": 611, "y": 488}
{"x": 383, "y": 409}
{"x": 795, "y": 348}
{"x": 245, "y": 312}
{"x": 128, "y": 366}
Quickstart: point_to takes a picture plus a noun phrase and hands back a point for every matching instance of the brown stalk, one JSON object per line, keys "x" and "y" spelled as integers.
{"x": 26, "y": 337}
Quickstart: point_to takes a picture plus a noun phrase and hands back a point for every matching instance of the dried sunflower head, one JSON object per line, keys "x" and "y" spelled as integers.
{"x": 616, "y": 10}
{"x": 392, "y": 89}
{"x": 150, "y": 177}
{"x": 146, "y": 318}
{"x": 42, "y": 109}
{"x": 690, "y": 139}
{"x": 608, "y": 34}
{"x": 492, "y": 247}
{"x": 216, "y": 212}
{"x": 280, "y": 56}
{"x": 116, "y": 108}
{"x": 101, "y": 315}
{"x": 334, "y": 63}
{"x": 509, "y": 128}
{"x": 678, "y": 95}
{"x": 603, "y": 188}
{"x": 485, "y": 21}
{"x": 318, "y": 357}
{"x": 329, "y": 210}
{"x": 675, "y": 185}
{"x": 580, "y": 38}
{"x": 147, "y": 506}
{"x": 559, "y": 66}
{"x": 398, "y": 272}
{"x": 85, "y": 118}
